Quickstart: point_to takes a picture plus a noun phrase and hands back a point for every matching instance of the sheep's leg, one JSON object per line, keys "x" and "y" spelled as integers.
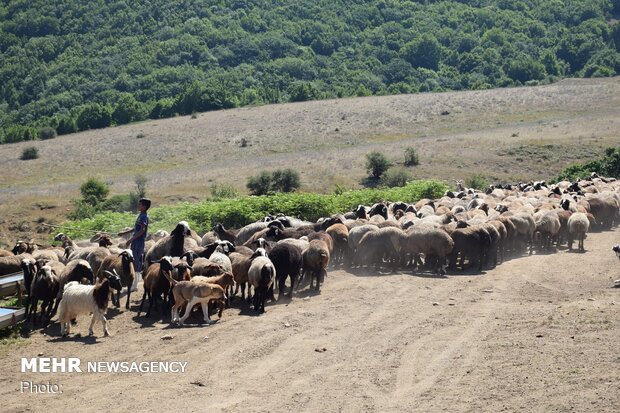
{"x": 128, "y": 295}
{"x": 188, "y": 311}
{"x": 104, "y": 321}
{"x": 92, "y": 323}
{"x": 142, "y": 303}
{"x": 152, "y": 300}
{"x": 242, "y": 291}
{"x": 118, "y": 298}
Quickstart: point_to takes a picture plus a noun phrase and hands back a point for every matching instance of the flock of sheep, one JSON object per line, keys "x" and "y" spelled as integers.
{"x": 465, "y": 229}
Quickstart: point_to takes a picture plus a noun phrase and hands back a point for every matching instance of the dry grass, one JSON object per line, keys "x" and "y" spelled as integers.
{"x": 503, "y": 134}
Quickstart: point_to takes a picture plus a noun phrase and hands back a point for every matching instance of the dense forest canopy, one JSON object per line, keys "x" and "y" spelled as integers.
{"x": 75, "y": 65}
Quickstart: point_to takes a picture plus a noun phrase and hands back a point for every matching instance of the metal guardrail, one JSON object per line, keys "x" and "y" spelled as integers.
{"x": 10, "y": 283}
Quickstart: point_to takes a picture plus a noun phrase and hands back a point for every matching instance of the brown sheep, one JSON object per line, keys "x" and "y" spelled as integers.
{"x": 123, "y": 265}
{"x": 314, "y": 261}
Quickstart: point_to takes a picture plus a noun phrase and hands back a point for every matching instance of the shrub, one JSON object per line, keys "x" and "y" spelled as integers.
{"x": 47, "y": 132}
{"x": 94, "y": 191}
{"x": 411, "y": 157}
{"x": 376, "y": 164}
{"x": 285, "y": 180}
{"x": 608, "y": 165}
{"x": 141, "y": 181}
{"x": 476, "y": 181}
{"x": 223, "y": 191}
{"x": 395, "y": 177}
{"x": 94, "y": 116}
{"x": 259, "y": 184}
{"x": 29, "y": 152}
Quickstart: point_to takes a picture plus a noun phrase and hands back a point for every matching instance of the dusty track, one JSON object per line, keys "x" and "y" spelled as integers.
{"x": 538, "y": 333}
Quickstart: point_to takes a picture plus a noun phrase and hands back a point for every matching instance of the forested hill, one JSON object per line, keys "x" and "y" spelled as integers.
{"x": 69, "y": 65}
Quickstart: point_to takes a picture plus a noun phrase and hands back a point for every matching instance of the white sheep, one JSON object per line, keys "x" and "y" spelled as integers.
{"x": 578, "y": 225}
{"x": 85, "y": 299}
{"x": 261, "y": 276}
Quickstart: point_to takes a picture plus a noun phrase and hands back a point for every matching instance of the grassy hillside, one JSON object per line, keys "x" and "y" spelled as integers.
{"x": 70, "y": 65}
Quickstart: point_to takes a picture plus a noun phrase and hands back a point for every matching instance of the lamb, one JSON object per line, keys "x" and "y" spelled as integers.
{"x": 315, "y": 259}
{"x": 578, "y": 225}
{"x": 193, "y": 293}
{"x": 434, "y": 243}
{"x": 123, "y": 265}
{"x": 225, "y": 280}
{"x": 44, "y": 287}
{"x": 261, "y": 276}
{"x": 287, "y": 261}
{"x": 85, "y": 299}
{"x": 156, "y": 284}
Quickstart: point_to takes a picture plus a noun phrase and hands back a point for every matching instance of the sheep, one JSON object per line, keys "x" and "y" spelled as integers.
{"x": 225, "y": 280}
{"x": 604, "y": 209}
{"x": 547, "y": 227}
{"x": 434, "y": 243}
{"x": 44, "y": 287}
{"x": 206, "y": 267}
{"x": 156, "y": 283}
{"x": 315, "y": 259}
{"x": 176, "y": 244}
{"x": 355, "y": 236}
{"x": 472, "y": 243}
{"x": 525, "y": 227}
{"x": 84, "y": 299}
{"x": 13, "y": 263}
{"x": 375, "y": 245}
{"x": 287, "y": 261}
{"x": 246, "y": 232}
{"x": 96, "y": 257}
{"x": 209, "y": 238}
{"x": 261, "y": 275}
{"x": 29, "y": 270}
{"x": 123, "y": 265}
{"x": 76, "y": 270}
{"x": 225, "y": 234}
{"x": 193, "y": 293}
{"x": 578, "y": 226}
{"x": 5, "y": 253}
{"x": 301, "y": 243}
{"x": 81, "y": 253}
{"x": 240, "y": 267}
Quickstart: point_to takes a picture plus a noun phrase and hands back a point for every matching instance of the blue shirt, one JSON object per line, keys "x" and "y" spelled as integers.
{"x": 142, "y": 221}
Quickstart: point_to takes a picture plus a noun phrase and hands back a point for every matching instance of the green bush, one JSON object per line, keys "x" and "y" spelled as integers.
{"x": 94, "y": 191}
{"x": 608, "y": 166}
{"x": 477, "y": 181}
{"x": 29, "y": 152}
{"x": 395, "y": 177}
{"x": 411, "y": 157}
{"x": 94, "y": 116}
{"x": 244, "y": 210}
{"x": 376, "y": 164}
{"x": 47, "y": 132}
{"x": 259, "y": 184}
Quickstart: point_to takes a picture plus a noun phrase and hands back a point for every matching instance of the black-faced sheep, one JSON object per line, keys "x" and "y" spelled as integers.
{"x": 44, "y": 287}
{"x": 85, "y": 299}
{"x": 156, "y": 284}
{"x": 77, "y": 270}
{"x": 472, "y": 243}
{"x": 176, "y": 244}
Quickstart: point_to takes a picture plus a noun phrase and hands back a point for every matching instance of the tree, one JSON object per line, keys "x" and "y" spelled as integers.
{"x": 424, "y": 52}
{"x": 376, "y": 164}
{"x": 524, "y": 69}
{"x": 127, "y": 109}
{"x": 94, "y": 191}
{"x": 94, "y": 116}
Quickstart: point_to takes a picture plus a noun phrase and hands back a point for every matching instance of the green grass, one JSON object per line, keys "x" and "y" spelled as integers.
{"x": 241, "y": 211}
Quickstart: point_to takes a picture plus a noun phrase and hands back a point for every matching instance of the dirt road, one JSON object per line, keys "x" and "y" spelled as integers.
{"x": 536, "y": 334}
